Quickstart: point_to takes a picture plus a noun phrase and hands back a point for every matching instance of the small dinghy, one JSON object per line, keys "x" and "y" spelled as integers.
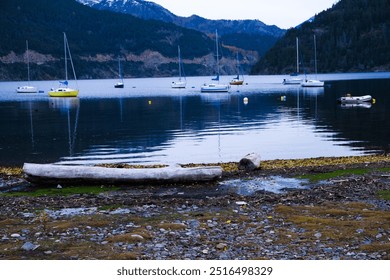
{"x": 349, "y": 99}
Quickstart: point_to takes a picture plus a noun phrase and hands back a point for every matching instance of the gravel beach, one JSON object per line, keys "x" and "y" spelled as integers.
{"x": 341, "y": 212}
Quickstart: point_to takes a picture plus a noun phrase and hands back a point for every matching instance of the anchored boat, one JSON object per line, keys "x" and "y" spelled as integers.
{"x": 237, "y": 81}
{"x": 215, "y": 87}
{"x": 120, "y": 83}
{"x": 313, "y": 82}
{"x": 294, "y": 78}
{"x": 27, "y": 88}
{"x": 349, "y": 99}
{"x": 63, "y": 90}
{"x": 182, "y": 82}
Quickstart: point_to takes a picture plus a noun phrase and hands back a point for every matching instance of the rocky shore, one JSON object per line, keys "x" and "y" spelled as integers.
{"x": 342, "y": 212}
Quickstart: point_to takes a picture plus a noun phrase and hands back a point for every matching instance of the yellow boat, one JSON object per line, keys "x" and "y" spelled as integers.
{"x": 236, "y": 81}
{"x": 63, "y": 90}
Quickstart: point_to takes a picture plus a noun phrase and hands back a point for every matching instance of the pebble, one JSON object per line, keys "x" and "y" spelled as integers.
{"x": 28, "y": 246}
{"x": 241, "y": 203}
{"x": 137, "y": 236}
{"x": 221, "y": 246}
{"x": 212, "y": 228}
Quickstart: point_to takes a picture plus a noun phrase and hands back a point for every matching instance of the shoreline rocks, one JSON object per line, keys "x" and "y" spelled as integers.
{"x": 339, "y": 218}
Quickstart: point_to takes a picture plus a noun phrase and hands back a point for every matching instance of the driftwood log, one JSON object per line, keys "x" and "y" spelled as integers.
{"x": 48, "y": 174}
{"x": 250, "y": 162}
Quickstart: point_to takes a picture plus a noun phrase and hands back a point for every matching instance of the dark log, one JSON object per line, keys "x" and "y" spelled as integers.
{"x": 250, "y": 162}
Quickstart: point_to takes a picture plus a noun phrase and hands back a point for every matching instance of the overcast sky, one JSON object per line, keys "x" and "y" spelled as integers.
{"x": 283, "y": 13}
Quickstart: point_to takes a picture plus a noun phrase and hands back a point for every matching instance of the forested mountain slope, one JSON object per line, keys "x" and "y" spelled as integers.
{"x": 352, "y": 36}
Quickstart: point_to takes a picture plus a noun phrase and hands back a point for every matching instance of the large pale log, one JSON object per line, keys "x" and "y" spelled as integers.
{"x": 67, "y": 174}
{"x": 250, "y": 162}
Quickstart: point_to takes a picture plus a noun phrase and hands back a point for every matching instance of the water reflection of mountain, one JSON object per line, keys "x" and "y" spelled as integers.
{"x": 142, "y": 129}
{"x": 369, "y": 125}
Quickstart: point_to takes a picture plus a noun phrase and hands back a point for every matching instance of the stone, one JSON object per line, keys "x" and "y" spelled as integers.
{"x": 241, "y": 203}
{"x": 379, "y": 236}
{"x": 28, "y": 246}
{"x": 221, "y": 246}
{"x": 137, "y": 236}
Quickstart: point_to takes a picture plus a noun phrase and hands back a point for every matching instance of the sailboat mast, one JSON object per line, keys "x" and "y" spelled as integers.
{"x": 66, "y": 59}
{"x": 71, "y": 61}
{"x": 216, "y": 40}
{"x": 297, "y": 56}
{"x": 178, "y": 51}
{"x": 120, "y": 69}
{"x": 28, "y": 63}
{"x": 315, "y": 55}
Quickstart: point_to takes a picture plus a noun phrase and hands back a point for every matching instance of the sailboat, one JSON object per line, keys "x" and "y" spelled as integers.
{"x": 294, "y": 78}
{"x": 63, "y": 90}
{"x": 27, "y": 88}
{"x": 215, "y": 87}
{"x": 180, "y": 83}
{"x": 237, "y": 81}
{"x": 119, "y": 84}
{"x": 313, "y": 82}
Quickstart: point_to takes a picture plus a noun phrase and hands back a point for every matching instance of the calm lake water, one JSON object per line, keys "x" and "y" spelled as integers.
{"x": 147, "y": 122}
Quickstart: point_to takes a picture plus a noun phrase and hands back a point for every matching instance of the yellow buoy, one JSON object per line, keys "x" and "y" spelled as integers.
{"x": 150, "y": 102}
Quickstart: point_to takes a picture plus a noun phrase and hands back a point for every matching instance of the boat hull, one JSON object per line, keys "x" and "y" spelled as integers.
{"x": 312, "y": 83}
{"x": 178, "y": 84}
{"x": 236, "y": 83}
{"x": 215, "y": 88}
{"x": 119, "y": 85}
{"x": 64, "y": 92}
{"x": 355, "y": 99}
{"x": 26, "y": 89}
{"x": 292, "y": 81}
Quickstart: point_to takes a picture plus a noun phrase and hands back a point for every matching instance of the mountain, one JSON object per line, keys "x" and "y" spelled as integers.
{"x": 96, "y": 38}
{"x": 247, "y": 34}
{"x": 352, "y": 36}
{"x": 138, "y": 8}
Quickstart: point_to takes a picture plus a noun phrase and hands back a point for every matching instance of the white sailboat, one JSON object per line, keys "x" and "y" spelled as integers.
{"x": 182, "y": 82}
{"x": 215, "y": 87}
{"x": 120, "y": 83}
{"x": 27, "y": 88}
{"x": 294, "y": 78}
{"x": 313, "y": 82}
{"x": 63, "y": 90}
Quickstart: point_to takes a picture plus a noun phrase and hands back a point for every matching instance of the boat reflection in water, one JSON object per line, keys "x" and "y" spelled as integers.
{"x": 152, "y": 124}
{"x": 357, "y": 105}
{"x": 70, "y": 106}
